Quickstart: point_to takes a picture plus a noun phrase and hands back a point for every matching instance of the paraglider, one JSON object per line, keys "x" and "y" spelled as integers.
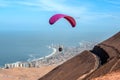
{"x": 60, "y": 49}
{"x": 56, "y": 17}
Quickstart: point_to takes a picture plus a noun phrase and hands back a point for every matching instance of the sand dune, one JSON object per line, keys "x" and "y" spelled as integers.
{"x": 83, "y": 66}
{"x": 77, "y": 67}
{"x": 24, "y": 73}
{"x": 110, "y": 76}
{"x": 35, "y": 73}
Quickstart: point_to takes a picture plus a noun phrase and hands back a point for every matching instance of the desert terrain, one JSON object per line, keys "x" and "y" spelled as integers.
{"x": 24, "y": 73}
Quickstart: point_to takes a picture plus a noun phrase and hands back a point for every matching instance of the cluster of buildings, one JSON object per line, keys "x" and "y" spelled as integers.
{"x": 57, "y": 58}
{"x": 19, "y": 64}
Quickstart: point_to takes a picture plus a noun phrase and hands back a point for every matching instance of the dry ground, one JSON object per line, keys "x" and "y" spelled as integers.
{"x": 24, "y": 73}
{"x": 110, "y": 76}
{"x": 35, "y": 73}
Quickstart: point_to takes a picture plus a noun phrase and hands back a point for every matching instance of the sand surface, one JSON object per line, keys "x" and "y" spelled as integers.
{"x": 36, "y": 73}
{"x": 24, "y": 73}
{"x": 110, "y": 76}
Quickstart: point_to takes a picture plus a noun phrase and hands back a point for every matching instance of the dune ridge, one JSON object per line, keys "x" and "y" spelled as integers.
{"x": 107, "y": 54}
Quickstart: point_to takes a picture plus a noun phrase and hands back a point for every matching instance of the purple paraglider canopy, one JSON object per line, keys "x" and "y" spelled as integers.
{"x": 56, "y": 17}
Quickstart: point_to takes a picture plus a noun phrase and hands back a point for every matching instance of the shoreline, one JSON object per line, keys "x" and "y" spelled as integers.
{"x": 54, "y": 51}
{"x": 21, "y": 64}
{"x": 55, "y": 57}
{"x": 50, "y": 55}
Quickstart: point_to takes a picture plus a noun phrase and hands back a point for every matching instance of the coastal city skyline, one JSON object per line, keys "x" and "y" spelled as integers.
{"x": 25, "y": 31}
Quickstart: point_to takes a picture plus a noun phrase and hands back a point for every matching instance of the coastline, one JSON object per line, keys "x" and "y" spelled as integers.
{"x": 19, "y": 63}
{"x": 54, "y": 51}
{"x": 39, "y": 67}
{"x": 55, "y": 57}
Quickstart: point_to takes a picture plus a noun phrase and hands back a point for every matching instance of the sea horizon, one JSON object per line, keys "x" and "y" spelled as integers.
{"x": 27, "y": 45}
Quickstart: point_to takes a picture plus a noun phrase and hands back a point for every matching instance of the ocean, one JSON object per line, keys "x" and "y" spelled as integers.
{"x": 23, "y": 46}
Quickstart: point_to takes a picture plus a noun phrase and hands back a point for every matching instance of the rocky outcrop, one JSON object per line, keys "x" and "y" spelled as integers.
{"x": 109, "y": 53}
{"x": 80, "y": 65}
{"x": 102, "y": 70}
{"x": 103, "y": 58}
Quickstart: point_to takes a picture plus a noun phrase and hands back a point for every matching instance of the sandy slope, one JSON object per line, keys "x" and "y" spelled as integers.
{"x": 24, "y": 73}
{"x": 110, "y": 76}
{"x": 35, "y": 73}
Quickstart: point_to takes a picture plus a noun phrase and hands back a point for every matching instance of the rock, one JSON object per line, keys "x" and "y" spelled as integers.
{"x": 82, "y": 64}
{"x": 103, "y": 58}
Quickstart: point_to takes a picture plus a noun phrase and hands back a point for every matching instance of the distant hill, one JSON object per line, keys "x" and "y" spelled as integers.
{"x": 102, "y": 59}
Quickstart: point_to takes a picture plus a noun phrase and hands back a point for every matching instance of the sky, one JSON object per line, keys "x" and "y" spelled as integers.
{"x": 33, "y": 15}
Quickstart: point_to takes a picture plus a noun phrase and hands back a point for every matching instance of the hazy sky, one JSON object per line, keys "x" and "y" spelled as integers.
{"x": 33, "y": 15}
